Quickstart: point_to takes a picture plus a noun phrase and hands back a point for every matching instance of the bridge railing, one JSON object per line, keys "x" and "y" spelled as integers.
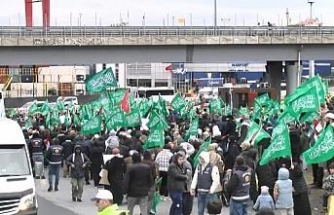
{"x": 163, "y": 31}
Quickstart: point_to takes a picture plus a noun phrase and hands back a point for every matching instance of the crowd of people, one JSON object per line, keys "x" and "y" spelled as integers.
{"x": 227, "y": 174}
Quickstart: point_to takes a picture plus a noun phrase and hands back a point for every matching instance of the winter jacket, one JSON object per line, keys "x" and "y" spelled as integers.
{"x": 264, "y": 201}
{"x": 283, "y": 190}
{"x": 79, "y": 161}
{"x": 328, "y": 185}
{"x": 176, "y": 178}
{"x": 116, "y": 169}
{"x": 138, "y": 180}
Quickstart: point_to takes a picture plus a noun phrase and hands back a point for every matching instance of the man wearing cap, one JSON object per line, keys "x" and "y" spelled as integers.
{"x": 104, "y": 202}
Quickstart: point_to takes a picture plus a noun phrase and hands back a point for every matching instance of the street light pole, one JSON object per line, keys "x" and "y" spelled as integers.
{"x": 311, "y": 8}
{"x": 215, "y": 13}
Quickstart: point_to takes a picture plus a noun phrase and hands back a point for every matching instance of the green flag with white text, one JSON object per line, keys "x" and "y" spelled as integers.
{"x": 279, "y": 145}
{"x": 101, "y": 81}
{"x": 323, "y": 149}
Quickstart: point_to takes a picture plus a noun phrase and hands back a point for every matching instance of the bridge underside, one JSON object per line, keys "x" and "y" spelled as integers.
{"x": 129, "y": 54}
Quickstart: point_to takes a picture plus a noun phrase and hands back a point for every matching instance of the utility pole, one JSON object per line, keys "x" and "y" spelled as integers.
{"x": 215, "y": 13}
{"x": 311, "y": 8}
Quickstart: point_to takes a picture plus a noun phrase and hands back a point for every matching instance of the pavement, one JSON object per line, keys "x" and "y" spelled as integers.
{"x": 52, "y": 203}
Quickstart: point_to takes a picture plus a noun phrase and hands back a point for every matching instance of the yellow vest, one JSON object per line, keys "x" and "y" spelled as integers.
{"x": 113, "y": 210}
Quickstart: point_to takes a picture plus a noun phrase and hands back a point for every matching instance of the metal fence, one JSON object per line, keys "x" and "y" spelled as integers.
{"x": 165, "y": 31}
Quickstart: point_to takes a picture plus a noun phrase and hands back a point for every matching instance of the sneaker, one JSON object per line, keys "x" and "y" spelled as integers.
{"x": 79, "y": 200}
{"x": 74, "y": 199}
{"x": 50, "y": 189}
{"x": 56, "y": 189}
{"x": 43, "y": 177}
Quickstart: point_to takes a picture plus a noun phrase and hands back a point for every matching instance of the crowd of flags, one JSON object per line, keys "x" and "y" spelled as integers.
{"x": 115, "y": 109}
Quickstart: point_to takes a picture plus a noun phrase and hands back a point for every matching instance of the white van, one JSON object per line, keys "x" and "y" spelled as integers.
{"x": 2, "y": 105}
{"x": 17, "y": 186}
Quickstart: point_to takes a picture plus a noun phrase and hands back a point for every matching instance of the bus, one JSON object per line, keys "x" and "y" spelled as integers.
{"x": 166, "y": 93}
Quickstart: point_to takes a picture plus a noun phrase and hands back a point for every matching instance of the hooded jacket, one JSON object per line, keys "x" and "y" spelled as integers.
{"x": 79, "y": 160}
{"x": 264, "y": 201}
{"x": 112, "y": 141}
{"x": 283, "y": 190}
{"x": 206, "y": 178}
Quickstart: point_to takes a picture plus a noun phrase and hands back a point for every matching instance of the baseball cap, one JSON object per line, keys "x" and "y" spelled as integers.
{"x": 103, "y": 194}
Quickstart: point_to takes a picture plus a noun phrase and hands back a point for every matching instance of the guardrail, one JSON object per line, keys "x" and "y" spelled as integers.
{"x": 164, "y": 31}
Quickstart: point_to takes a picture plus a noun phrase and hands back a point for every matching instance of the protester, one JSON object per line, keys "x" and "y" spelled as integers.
{"x": 137, "y": 183}
{"x": 328, "y": 186}
{"x": 78, "y": 162}
{"x": 54, "y": 158}
{"x": 283, "y": 193}
{"x": 264, "y": 201}
{"x": 176, "y": 184}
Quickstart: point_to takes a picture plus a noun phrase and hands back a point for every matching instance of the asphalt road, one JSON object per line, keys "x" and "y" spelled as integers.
{"x": 46, "y": 207}
{"x": 55, "y": 203}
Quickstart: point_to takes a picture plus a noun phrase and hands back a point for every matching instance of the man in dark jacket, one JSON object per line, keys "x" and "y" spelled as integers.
{"x": 96, "y": 158}
{"x": 116, "y": 171}
{"x": 68, "y": 149}
{"x": 54, "y": 158}
{"x": 78, "y": 162}
{"x": 37, "y": 149}
{"x": 238, "y": 187}
{"x": 137, "y": 182}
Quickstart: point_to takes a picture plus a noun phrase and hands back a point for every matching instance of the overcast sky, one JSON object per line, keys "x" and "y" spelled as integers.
{"x": 160, "y": 12}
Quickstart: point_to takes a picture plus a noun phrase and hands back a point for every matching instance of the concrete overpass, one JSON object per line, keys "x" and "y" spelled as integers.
{"x": 86, "y": 45}
{"x": 200, "y": 44}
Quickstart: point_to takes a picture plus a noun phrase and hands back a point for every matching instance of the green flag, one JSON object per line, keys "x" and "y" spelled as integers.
{"x": 156, "y": 138}
{"x": 203, "y": 148}
{"x": 60, "y": 105}
{"x": 307, "y": 102}
{"x": 157, "y": 119}
{"x": 287, "y": 116}
{"x": 216, "y": 106}
{"x": 279, "y": 146}
{"x": 93, "y": 126}
{"x": 133, "y": 118}
{"x": 252, "y": 130}
{"x": 33, "y": 109}
{"x": 116, "y": 120}
{"x": 45, "y": 109}
{"x": 309, "y": 117}
{"x": 144, "y": 107}
{"x": 323, "y": 149}
{"x": 101, "y": 81}
{"x": 193, "y": 129}
{"x": 178, "y": 103}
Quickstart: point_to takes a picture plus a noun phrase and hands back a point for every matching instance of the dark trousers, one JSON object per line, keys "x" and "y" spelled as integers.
{"x": 324, "y": 200}
{"x": 315, "y": 173}
{"x": 320, "y": 176}
{"x": 87, "y": 174}
{"x": 187, "y": 203}
{"x": 163, "y": 187}
{"x": 95, "y": 171}
{"x": 116, "y": 190}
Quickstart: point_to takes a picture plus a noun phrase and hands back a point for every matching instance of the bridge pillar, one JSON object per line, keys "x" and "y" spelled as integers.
{"x": 274, "y": 69}
{"x": 292, "y": 76}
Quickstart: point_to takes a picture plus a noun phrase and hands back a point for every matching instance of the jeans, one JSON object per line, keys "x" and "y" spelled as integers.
{"x": 141, "y": 201}
{"x": 203, "y": 199}
{"x": 38, "y": 158}
{"x": 54, "y": 171}
{"x": 176, "y": 207}
{"x": 77, "y": 187}
{"x": 238, "y": 208}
